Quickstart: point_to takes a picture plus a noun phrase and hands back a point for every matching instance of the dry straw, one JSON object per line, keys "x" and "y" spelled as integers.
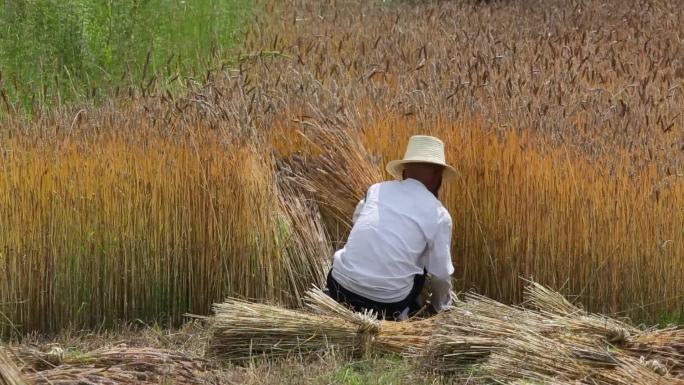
{"x": 241, "y": 331}
{"x": 120, "y": 365}
{"x": 9, "y": 373}
{"x": 552, "y": 341}
{"x": 334, "y": 166}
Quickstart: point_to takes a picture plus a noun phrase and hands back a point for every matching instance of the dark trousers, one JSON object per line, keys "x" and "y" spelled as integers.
{"x": 389, "y": 311}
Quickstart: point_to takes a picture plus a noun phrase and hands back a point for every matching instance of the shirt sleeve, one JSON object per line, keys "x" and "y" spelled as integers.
{"x": 359, "y": 206}
{"x": 357, "y": 211}
{"x": 439, "y": 264}
{"x": 441, "y": 292}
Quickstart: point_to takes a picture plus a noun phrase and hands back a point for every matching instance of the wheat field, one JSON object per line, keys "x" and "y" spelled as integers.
{"x": 563, "y": 118}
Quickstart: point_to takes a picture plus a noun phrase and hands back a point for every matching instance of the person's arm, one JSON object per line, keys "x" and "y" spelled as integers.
{"x": 441, "y": 293}
{"x": 359, "y": 206}
{"x": 439, "y": 264}
{"x": 358, "y": 209}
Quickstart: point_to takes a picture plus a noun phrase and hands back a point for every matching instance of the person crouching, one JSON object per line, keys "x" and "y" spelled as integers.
{"x": 401, "y": 235}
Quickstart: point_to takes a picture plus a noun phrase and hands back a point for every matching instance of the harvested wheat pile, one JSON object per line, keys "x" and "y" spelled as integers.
{"x": 549, "y": 340}
{"x": 119, "y": 365}
{"x": 9, "y": 374}
{"x": 241, "y": 330}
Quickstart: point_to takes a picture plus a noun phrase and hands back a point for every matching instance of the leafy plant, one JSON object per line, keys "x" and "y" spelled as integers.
{"x": 75, "y": 50}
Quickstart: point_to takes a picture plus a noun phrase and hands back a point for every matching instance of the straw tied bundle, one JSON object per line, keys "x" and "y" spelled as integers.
{"x": 119, "y": 365}
{"x": 241, "y": 330}
{"x": 549, "y": 340}
{"x": 9, "y": 373}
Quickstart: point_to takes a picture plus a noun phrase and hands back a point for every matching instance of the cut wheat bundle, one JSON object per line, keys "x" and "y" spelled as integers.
{"x": 568, "y": 358}
{"x": 551, "y": 341}
{"x": 241, "y": 330}
{"x": 406, "y": 337}
{"x": 338, "y": 170}
{"x": 472, "y": 330}
{"x": 387, "y": 336}
{"x": 9, "y": 373}
{"x": 120, "y": 365}
{"x": 662, "y": 350}
{"x": 555, "y": 307}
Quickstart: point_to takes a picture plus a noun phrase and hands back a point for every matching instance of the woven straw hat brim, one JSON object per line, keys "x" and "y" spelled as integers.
{"x": 396, "y": 167}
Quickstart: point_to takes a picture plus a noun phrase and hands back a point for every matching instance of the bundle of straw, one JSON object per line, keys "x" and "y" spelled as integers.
{"x": 121, "y": 365}
{"x": 9, "y": 374}
{"x": 554, "y": 307}
{"x": 564, "y": 358}
{"x": 385, "y": 336}
{"x": 552, "y": 341}
{"x": 662, "y": 349}
{"x": 241, "y": 330}
{"x": 306, "y": 244}
{"x": 471, "y": 331}
{"x": 337, "y": 170}
{"x": 405, "y": 337}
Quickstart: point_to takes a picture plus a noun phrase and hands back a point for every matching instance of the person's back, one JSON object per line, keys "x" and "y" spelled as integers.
{"x": 388, "y": 243}
{"x": 401, "y": 233}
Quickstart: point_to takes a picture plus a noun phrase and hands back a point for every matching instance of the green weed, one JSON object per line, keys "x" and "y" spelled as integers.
{"x": 72, "y": 50}
{"x": 382, "y": 370}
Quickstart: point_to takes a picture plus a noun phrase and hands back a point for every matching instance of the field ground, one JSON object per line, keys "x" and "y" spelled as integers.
{"x": 329, "y": 367}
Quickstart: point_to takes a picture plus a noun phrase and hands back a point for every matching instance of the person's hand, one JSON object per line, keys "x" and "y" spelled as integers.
{"x": 430, "y": 310}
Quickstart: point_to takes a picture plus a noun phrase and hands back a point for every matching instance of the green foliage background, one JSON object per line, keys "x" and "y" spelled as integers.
{"x": 57, "y": 51}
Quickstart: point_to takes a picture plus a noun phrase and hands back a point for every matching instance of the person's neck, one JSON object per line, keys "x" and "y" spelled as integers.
{"x": 423, "y": 184}
{"x": 416, "y": 180}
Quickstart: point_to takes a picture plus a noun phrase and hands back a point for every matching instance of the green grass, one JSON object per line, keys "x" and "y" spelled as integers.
{"x": 668, "y": 319}
{"x": 57, "y": 52}
{"x": 379, "y": 370}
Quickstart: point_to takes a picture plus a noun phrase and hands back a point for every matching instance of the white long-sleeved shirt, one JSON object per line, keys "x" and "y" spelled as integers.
{"x": 400, "y": 228}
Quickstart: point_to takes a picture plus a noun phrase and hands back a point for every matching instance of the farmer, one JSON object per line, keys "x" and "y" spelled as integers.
{"x": 401, "y": 234}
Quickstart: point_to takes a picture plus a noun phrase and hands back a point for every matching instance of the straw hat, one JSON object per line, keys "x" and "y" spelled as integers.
{"x": 422, "y": 149}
